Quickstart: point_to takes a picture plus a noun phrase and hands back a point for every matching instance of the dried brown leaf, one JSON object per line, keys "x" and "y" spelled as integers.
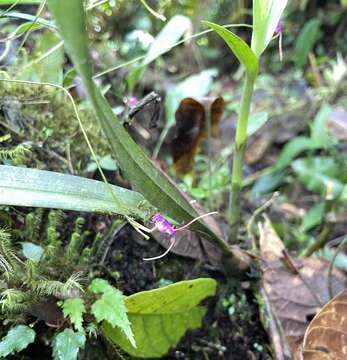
{"x": 326, "y": 336}
{"x": 191, "y": 131}
{"x": 296, "y": 288}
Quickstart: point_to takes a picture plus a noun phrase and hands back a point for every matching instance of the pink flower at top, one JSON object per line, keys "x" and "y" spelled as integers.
{"x": 163, "y": 225}
{"x": 279, "y": 27}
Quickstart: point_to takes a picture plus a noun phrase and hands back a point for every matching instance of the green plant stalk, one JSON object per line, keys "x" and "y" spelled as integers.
{"x": 239, "y": 155}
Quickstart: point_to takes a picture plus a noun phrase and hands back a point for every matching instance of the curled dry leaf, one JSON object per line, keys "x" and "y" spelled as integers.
{"x": 48, "y": 311}
{"x": 190, "y": 130}
{"x": 295, "y": 288}
{"x": 326, "y": 336}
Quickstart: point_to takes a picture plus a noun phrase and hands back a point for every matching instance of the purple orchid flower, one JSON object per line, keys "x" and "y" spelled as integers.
{"x": 133, "y": 101}
{"x": 163, "y": 225}
{"x": 278, "y": 29}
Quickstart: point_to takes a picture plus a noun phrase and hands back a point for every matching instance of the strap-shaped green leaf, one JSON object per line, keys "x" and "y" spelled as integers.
{"x": 240, "y": 49}
{"x": 136, "y": 165}
{"x": 160, "y": 317}
{"x": 47, "y": 189}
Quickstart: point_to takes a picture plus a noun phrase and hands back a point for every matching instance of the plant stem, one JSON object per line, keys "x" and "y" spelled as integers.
{"x": 239, "y": 154}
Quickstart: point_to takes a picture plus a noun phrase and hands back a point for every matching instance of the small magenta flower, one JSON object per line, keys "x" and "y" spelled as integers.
{"x": 279, "y": 27}
{"x": 163, "y": 225}
{"x": 278, "y": 31}
{"x": 133, "y": 101}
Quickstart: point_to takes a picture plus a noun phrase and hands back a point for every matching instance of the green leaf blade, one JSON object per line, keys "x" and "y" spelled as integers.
{"x": 306, "y": 41}
{"x": 162, "y": 316}
{"x": 17, "y": 339}
{"x": 74, "y": 310}
{"x": 320, "y": 174}
{"x": 67, "y": 344}
{"x": 111, "y": 308}
{"x": 39, "y": 188}
{"x": 240, "y": 49}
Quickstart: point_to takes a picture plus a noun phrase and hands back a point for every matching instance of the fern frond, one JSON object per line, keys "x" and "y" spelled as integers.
{"x": 8, "y": 259}
{"x": 15, "y": 152}
{"x": 31, "y": 270}
{"x": 74, "y": 282}
{"x": 47, "y": 287}
{"x": 61, "y": 290}
{"x": 12, "y": 300}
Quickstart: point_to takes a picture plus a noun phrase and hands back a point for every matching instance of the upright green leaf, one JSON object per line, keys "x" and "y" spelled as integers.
{"x": 240, "y": 49}
{"x": 74, "y": 309}
{"x": 313, "y": 217}
{"x": 266, "y": 15}
{"x": 306, "y": 41}
{"x": 137, "y": 167}
{"x": 111, "y": 308}
{"x": 39, "y": 188}
{"x": 17, "y": 339}
{"x": 161, "y": 317}
{"x": 66, "y": 345}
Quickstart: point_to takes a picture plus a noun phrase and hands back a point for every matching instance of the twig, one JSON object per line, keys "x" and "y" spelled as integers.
{"x": 255, "y": 214}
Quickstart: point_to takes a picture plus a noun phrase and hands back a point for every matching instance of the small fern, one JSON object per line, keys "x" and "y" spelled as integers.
{"x": 12, "y": 301}
{"x": 13, "y": 153}
{"x": 8, "y": 259}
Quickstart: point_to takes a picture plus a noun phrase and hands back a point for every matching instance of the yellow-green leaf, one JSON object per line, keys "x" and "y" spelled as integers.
{"x": 160, "y": 317}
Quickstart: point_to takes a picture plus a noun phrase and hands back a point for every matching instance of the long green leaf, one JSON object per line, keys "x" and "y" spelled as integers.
{"x": 306, "y": 41}
{"x": 39, "y": 188}
{"x": 160, "y": 317}
{"x": 240, "y": 49}
{"x": 138, "y": 168}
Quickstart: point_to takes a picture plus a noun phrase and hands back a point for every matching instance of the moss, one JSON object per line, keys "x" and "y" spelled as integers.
{"x": 44, "y": 119}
